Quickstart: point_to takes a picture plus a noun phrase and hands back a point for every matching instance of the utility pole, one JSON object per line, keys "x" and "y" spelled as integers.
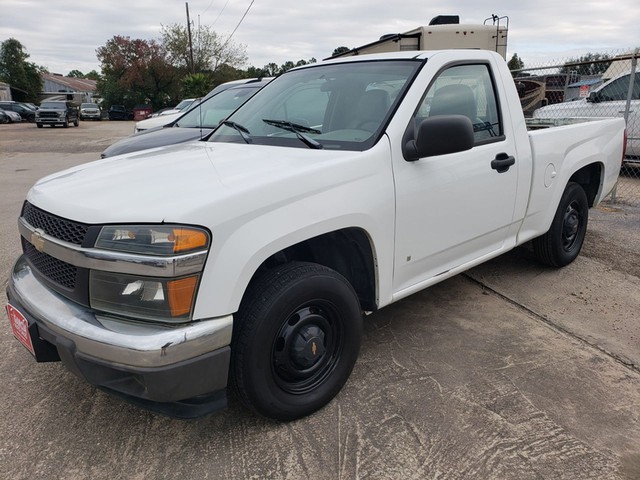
{"x": 190, "y": 41}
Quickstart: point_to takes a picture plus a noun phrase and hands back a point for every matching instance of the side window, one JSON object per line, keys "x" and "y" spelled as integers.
{"x": 465, "y": 90}
{"x": 618, "y": 89}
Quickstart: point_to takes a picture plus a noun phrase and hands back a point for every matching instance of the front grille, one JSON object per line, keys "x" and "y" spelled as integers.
{"x": 57, "y": 227}
{"x": 48, "y": 114}
{"x": 57, "y": 271}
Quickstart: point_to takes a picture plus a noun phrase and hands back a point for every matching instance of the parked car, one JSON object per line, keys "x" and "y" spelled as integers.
{"x": 120, "y": 112}
{"x": 181, "y": 107}
{"x": 57, "y": 113}
{"x": 196, "y": 123}
{"x": 608, "y": 100}
{"x": 168, "y": 118}
{"x": 90, "y": 111}
{"x": 25, "y": 112}
{"x": 10, "y": 117}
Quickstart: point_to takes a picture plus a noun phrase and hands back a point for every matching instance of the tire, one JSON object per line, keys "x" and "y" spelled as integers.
{"x": 66, "y": 122}
{"x": 295, "y": 341}
{"x": 39, "y": 125}
{"x": 562, "y": 243}
{"x": 76, "y": 122}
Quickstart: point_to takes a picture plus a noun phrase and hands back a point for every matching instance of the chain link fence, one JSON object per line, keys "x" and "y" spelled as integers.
{"x": 604, "y": 84}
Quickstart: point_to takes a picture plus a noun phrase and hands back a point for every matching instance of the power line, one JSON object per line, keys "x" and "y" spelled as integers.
{"x": 225, "y": 6}
{"x": 205, "y": 10}
{"x": 234, "y": 30}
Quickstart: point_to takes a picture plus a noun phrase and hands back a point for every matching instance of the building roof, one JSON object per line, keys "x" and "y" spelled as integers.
{"x": 71, "y": 83}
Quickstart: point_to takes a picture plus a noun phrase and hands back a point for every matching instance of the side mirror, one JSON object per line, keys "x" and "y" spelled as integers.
{"x": 593, "y": 97}
{"x": 440, "y": 135}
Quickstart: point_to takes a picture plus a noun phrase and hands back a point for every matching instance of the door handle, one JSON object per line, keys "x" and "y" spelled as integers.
{"x": 502, "y": 162}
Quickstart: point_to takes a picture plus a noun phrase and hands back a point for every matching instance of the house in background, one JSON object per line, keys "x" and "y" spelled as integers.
{"x": 77, "y": 90}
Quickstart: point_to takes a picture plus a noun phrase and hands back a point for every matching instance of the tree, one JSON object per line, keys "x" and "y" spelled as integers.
{"x": 93, "y": 75}
{"x": 209, "y": 49}
{"x": 589, "y": 64}
{"x": 137, "y": 71}
{"x": 75, "y": 74}
{"x": 272, "y": 69}
{"x": 515, "y": 63}
{"x": 196, "y": 85}
{"x": 23, "y": 76}
{"x": 340, "y": 50}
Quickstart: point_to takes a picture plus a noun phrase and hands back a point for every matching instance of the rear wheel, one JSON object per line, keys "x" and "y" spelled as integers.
{"x": 296, "y": 339}
{"x": 562, "y": 243}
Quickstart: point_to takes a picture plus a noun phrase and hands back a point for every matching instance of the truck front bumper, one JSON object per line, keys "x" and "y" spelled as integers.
{"x": 178, "y": 370}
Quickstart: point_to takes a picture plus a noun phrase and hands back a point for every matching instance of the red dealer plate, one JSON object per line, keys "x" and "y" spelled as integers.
{"x": 20, "y": 327}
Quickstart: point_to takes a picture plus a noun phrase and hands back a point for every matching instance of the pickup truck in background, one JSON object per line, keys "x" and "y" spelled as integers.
{"x": 247, "y": 260}
{"x": 57, "y": 113}
{"x": 608, "y": 100}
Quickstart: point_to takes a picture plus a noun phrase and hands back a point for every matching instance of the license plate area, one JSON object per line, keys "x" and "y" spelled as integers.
{"x": 27, "y": 335}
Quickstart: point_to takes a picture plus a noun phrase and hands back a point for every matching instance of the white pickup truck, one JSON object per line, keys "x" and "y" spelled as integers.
{"x": 248, "y": 259}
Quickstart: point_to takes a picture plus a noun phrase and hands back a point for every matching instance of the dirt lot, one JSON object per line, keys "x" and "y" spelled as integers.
{"x": 510, "y": 371}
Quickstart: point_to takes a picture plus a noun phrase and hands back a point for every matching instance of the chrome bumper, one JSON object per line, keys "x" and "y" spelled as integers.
{"x": 116, "y": 340}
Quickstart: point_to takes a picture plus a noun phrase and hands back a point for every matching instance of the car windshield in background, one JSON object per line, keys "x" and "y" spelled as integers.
{"x": 89, "y": 105}
{"x": 215, "y": 109}
{"x": 337, "y": 106}
{"x": 53, "y": 105}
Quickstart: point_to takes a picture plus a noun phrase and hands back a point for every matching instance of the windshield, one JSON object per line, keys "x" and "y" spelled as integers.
{"x": 89, "y": 105}
{"x": 210, "y": 112}
{"x": 53, "y": 105}
{"x": 183, "y": 104}
{"x": 338, "y": 106}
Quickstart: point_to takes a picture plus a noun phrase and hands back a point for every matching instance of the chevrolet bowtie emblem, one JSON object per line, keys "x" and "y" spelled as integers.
{"x": 37, "y": 239}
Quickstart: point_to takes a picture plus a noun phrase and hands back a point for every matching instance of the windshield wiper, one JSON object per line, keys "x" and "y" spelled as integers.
{"x": 298, "y": 130}
{"x": 244, "y": 133}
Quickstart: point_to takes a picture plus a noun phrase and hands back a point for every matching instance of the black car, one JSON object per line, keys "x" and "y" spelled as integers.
{"x": 120, "y": 112}
{"x": 57, "y": 113}
{"x": 25, "y": 112}
{"x": 193, "y": 125}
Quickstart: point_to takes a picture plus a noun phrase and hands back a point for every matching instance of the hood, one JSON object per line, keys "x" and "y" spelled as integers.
{"x": 158, "y": 121}
{"x": 158, "y": 137}
{"x": 185, "y": 183}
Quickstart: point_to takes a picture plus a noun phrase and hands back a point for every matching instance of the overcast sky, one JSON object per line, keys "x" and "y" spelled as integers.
{"x": 63, "y": 35}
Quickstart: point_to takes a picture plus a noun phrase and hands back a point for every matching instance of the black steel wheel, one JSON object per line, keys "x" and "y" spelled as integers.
{"x": 563, "y": 242}
{"x": 296, "y": 339}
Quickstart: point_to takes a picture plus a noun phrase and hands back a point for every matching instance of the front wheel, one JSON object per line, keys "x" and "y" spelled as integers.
{"x": 66, "y": 122}
{"x": 296, "y": 339}
{"x": 562, "y": 243}
{"x": 39, "y": 125}
{"x": 76, "y": 122}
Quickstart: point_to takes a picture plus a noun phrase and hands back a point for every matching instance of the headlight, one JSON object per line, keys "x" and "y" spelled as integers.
{"x": 148, "y": 298}
{"x": 153, "y": 240}
{"x": 160, "y": 299}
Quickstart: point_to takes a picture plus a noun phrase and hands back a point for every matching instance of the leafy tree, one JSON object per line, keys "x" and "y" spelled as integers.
{"x": 272, "y": 69}
{"x": 24, "y": 76}
{"x": 93, "y": 75}
{"x": 340, "y": 50}
{"x": 209, "y": 49}
{"x": 137, "y": 71}
{"x": 75, "y": 74}
{"x": 196, "y": 85}
{"x": 589, "y": 64}
{"x": 515, "y": 63}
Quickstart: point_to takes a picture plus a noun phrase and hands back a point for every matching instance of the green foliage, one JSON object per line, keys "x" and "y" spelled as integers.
{"x": 196, "y": 85}
{"x": 272, "y": 69}
{"x": 515, "y": 63}
{"x": 93, "y": 75}
{"x": 589, "y": 64}
{"x": 340, "y": 50}
{"x": 210, "y": 51}
{"x": 75, "y": 74}
{"x": 23, "y": 76}
{"x": 137, "y": 72}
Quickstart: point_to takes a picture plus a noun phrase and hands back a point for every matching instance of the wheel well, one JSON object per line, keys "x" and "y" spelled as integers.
{"x": 346, "y": 251}
{"x": 589, "y": 178}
